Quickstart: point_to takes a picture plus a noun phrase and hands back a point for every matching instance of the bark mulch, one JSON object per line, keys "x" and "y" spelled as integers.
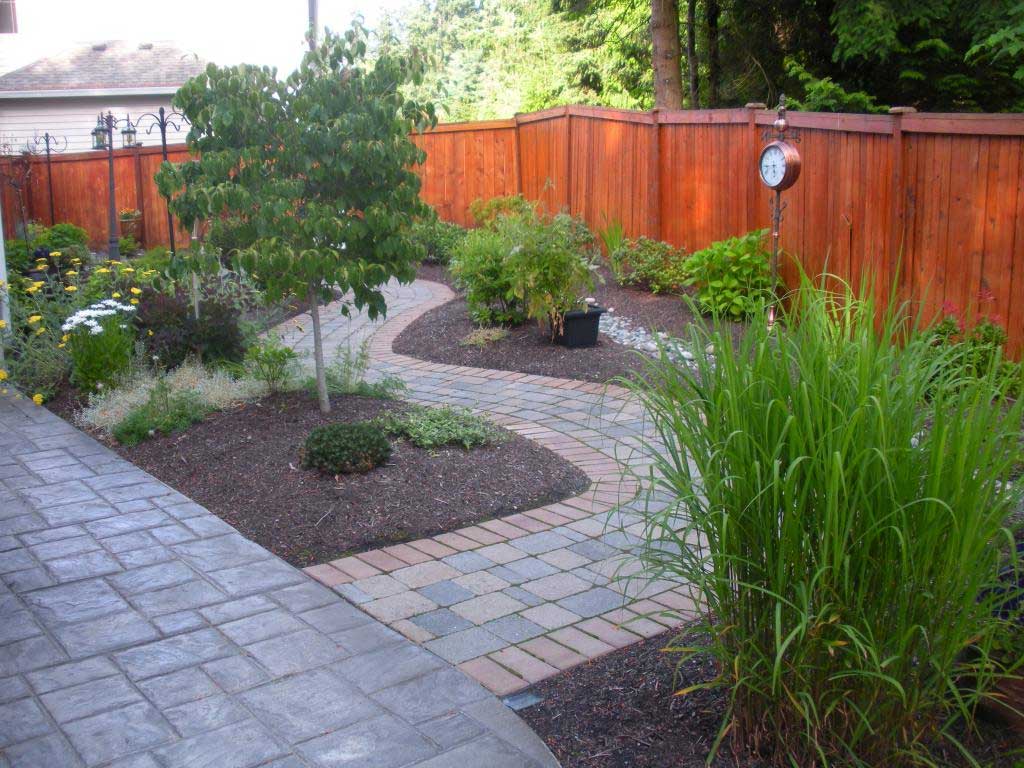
{"x": 435, "y": 336}
{"x": 244, "y": 466}
{"x": 620, "y": 711}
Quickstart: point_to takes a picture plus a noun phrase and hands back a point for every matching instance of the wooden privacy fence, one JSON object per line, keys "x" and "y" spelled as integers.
{"x": 80, "y": 193}
{"x": 932, "y": 205}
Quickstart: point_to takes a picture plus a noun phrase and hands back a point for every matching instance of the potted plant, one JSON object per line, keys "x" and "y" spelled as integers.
{"x": 131, "y": 223}
{"x": 552, "y": 266}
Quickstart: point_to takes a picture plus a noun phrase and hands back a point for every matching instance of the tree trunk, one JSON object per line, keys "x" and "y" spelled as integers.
{"x": 318, "y": 350}
{"x": 691, "y": 53}
{"x": 665, "y": 54}
{"x": 714, "y": 62}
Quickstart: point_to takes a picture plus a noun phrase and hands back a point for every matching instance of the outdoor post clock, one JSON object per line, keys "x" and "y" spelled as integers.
{"x": 779, "y": 168}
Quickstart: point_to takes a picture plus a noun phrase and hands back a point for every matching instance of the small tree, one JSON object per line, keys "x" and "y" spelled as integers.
{"x": 319, "y": 165}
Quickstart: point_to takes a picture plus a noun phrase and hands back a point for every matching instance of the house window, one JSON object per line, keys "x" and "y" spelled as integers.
{"x": 8, "y": 17}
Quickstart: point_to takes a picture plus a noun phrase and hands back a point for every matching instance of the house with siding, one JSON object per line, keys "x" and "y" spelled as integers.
{"x": 62, "y": 94}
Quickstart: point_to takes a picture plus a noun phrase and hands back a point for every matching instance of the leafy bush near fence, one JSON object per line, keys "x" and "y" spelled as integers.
{"x": 840, "y": 503}
{"x": 651, "y": 264}
{"x": 438, "y": 239}
{"x": 487, "y": 212}
{"x": 978, "y": 351}
{"x": 733, "y": 276}
{"x": 171, "y": 332}
{"x": 479, "y": 267}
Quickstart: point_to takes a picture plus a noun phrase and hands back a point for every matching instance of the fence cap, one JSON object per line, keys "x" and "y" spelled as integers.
{"x": 755, "y": 105}
{"x": 901, "y": 110}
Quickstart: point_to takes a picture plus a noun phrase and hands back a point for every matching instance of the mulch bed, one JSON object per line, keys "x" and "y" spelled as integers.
{"x": 244, "y": 466}
{"x": 435, "y": 336}
{"x": 620, "y": 711}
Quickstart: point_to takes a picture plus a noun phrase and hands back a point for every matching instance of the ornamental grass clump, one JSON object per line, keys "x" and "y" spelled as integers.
{"x": 840, "y": 510}
{"x": 100, "y": 340}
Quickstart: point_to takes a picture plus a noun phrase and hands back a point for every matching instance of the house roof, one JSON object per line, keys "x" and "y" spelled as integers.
{"x": 105, "y": 67}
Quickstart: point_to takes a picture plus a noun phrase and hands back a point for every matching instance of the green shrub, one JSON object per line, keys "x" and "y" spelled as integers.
{"x": 548, "y": 266}
{"x": 19, "y": 257}
{"x": 978, "y": 351}
{"x": 732, "y": 277}
{"x": 165, "y": 412}
{"x": 439, "y": 239}
{"x": 271, "y": 362}
{"x": 650, "y": 264}
{"x": 341, "y": 449}
{"x": 229, "y": 235}
{"x": 439, "y": 427}
{"x": 487, "y": 212}
{"x": 839, "y": 507}
{"x": 127, "y": 245}
{"x": 479, "y": 268}
{"x": 171, "y": 333}
{"x": 100, "y": 340}
{"x": 61, "y": 236}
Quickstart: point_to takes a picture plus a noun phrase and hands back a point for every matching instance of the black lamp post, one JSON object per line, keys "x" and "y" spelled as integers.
{"x": 162, "y": 120}
{"x": 103, "y": 138}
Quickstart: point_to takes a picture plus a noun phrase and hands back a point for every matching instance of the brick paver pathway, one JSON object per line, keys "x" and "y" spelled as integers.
{"x": 514, "y": 600}
{"x": 137, "y": 630}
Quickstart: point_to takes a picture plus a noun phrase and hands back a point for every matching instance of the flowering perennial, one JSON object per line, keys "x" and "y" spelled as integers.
{"x": 91, "y": 317}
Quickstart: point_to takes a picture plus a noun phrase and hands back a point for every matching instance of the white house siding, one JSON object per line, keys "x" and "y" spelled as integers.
{"x": 73, "y": 118}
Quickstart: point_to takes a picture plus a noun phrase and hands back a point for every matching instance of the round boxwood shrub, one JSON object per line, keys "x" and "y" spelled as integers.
{"x": 342, "y": 449}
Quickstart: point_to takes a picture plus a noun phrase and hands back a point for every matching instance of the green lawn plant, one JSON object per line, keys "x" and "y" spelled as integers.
{"x": 840, "y": 507}
{"x": 164, "y": 413}
{"x": 318, "y": 165}
{"x": 732, "y": 277}
{"x": 646, "y": 263}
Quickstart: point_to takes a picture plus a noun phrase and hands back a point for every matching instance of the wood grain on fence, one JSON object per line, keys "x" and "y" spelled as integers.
{"x": 930, "y": 206}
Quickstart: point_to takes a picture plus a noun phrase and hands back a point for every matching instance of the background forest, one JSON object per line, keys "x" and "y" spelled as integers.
{"x": 492, "y": 58}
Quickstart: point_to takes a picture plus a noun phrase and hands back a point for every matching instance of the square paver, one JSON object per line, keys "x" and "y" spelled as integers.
{"x": 380, "y": 586}
{"x": 308, "y": 704}
{"x": 469, "y": 562}
{"x": 487, "y": 607}
{"x": 400, "y": 606}
{"x": 262, "y": 626}
{"x": 550, "y": 616}
{"x": 173, "y": 654}
{"x": 465, "y": 645}
{"x": 296, "y": 652}
{"x": 592, "y": 602}
{"x": 235, "y": 673}
{"x": 178, "y": 687}
{"x": 501, "y": 553}
{"x": 89, "y": 698}
{"x": 514, "y": 628}
{"x": 531, "y": 568}
{"x": 556, "y": 586}
{"x": 545, "y": 541}
{"x": 424, "y": 574}
{"x": 387, "y": 666}
{"x": 21, "y": 720}
{"x": 481, "y": 583}
{"x": 383, "y": 742}
{"x": 445, "y": 593}
{"x": 207, "y": 714}
{"x": 431, "y": 695}
{"x": 565, "y": 559}
{"x": 239, "y": 745}
{"x": 441, "y": 622}
{"x": 120, "y": 732}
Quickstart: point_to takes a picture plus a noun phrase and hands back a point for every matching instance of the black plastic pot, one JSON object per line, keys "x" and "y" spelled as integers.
{"x": 579, "y": 327}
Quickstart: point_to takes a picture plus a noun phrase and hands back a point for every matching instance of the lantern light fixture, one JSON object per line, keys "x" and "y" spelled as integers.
{"x": 99, "y": 133}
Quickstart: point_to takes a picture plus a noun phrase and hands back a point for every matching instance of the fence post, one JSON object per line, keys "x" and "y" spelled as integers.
{"x": 898, "y": 223}
{"x": 654, "y": 177}
{"x": 751, "y": 177}
{"x": 568, "y": 160}
{"x": 140, "y": 200}
{"x": 518, "y": 157}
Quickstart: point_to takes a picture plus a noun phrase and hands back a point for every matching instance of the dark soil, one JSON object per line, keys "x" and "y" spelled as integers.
{"x": 436, "y": 335}
{"x": 244, "y": 466}
{"x": 620, "y": 711}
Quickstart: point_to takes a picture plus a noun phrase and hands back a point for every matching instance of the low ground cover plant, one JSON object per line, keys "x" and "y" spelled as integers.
{"x": 977, "y": 350}
{"x": 165, "y": 412}
{"x": 342, "y": 449}
{"x": 732, "y": 277}
{"x": 346, "y": 375}
{"x": 841, "y": 503}
{"x": 432, "y": 428}
{"x": 482, "y": 337}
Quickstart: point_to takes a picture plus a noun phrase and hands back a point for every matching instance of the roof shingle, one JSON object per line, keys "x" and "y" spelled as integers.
{"x": 106, "y": 65}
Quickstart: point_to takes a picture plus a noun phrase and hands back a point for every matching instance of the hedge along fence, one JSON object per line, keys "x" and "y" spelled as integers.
{"x": 931, "y": 204}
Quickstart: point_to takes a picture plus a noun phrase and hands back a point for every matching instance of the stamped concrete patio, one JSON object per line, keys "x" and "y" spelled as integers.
{"x": 137, "y": 630}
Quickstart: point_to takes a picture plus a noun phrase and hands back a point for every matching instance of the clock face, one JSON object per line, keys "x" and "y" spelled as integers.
{"x": 772, "y": 165}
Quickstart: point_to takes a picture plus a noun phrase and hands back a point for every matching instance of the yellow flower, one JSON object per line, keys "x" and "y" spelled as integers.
{"x": 34, "y": 319}
{"x": 113, "y": 261}
{"x": 32, "y": 289}
{"x": 3, "y": 375}
{"x": 70, "y": 288}
{"x": 65, "y": 337}
{"x": 137, "y": 291}
{"x": 60, "y": 346}
{"x": 149, "y": 332}
{"x": 3, "y": 324}
{"x": 76, "y": 261}
{"x": 37, "y": 399}
{"x": 102, "y": 271}
{"x": 55, "y": 253}
{"x": 116, "y": 294}
{"x": 134, "y": 301}
{"x": 41, "y": 331}
{"x": 71, "y": 273}
{"x": 127, "y": 269}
